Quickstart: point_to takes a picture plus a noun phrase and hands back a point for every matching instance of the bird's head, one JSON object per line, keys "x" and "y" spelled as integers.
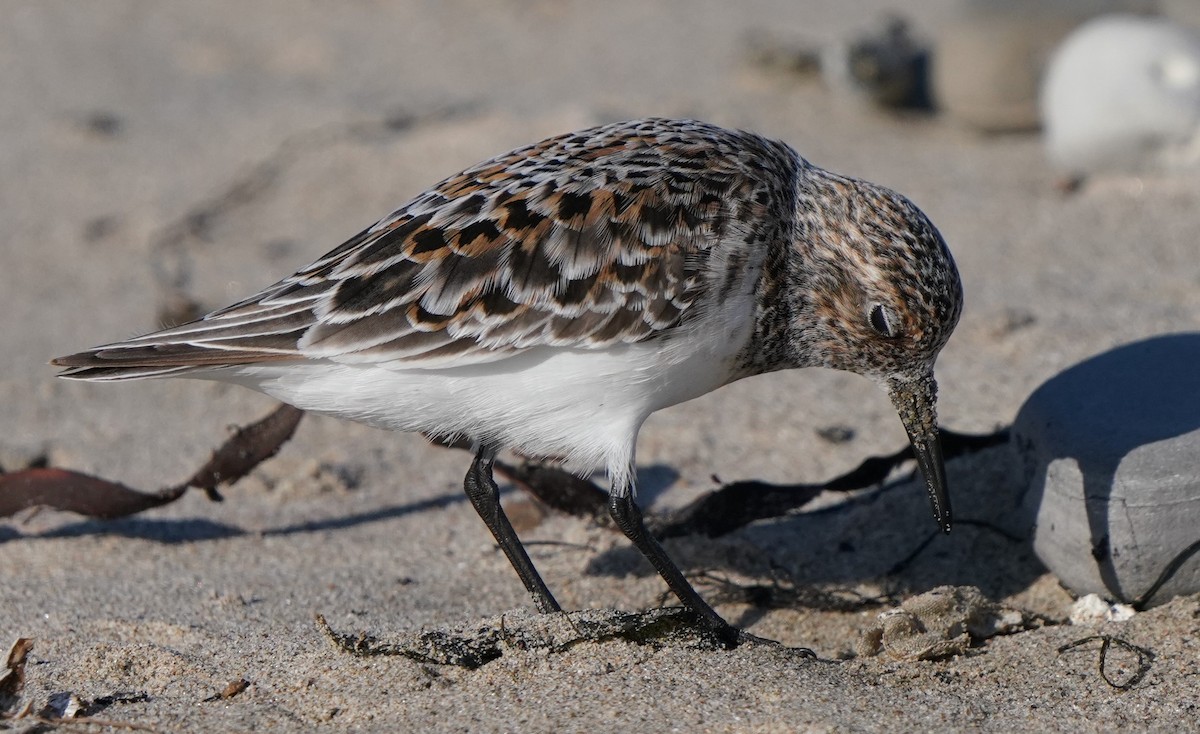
{"x": 879, "y": 296}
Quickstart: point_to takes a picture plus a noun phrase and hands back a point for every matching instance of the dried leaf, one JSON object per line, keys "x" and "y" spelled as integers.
{"x": 12, "y": 682}
{"x": 72, "y": 491}
{"x": 63, "y": 705}
{"x": 249, "y": 447}
{"x": 740, "y": 503}
{"x": 234, "y": 688}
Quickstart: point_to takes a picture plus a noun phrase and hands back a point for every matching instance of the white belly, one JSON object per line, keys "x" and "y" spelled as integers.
{"x": 584, "y": 406}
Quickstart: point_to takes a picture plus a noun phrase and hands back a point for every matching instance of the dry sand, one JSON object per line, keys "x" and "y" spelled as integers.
{"x": 219, "y": 145}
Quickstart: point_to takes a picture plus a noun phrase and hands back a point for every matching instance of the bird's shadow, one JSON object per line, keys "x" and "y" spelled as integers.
{"x": 179, "y": 531}
{"x": 168, "y": 531}
{"x": 172, "y": 531}
{"x": 884, "y": 534}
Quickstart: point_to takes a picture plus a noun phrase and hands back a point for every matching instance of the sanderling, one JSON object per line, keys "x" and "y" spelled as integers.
{"x": 550, "y": 299}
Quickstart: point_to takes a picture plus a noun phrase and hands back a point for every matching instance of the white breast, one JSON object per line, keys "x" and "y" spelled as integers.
{"x": 584, "y": 406}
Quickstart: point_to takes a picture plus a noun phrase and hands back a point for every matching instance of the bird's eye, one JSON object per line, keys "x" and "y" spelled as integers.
{"x": 883, "y": 321}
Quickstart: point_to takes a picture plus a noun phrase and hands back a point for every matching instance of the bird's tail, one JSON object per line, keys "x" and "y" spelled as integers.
{"x": 126, "y": 361}
{"x": 249, "y": 332}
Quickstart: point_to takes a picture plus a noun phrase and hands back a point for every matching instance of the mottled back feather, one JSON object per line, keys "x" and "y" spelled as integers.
{"x": 584, "y": 240}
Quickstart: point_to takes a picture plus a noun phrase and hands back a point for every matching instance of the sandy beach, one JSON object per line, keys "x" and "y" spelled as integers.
{"x": 155, "y": 153}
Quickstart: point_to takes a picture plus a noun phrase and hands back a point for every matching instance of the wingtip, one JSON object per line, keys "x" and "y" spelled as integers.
{"x": 70, "y": 360}
{"x": 82, "y": 360}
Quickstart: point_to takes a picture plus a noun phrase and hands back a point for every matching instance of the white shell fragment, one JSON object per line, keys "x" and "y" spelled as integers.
{"x": 1090, "y": 609}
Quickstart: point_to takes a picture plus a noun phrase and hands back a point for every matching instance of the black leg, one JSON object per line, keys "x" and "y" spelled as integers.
{"x": 485, "y": 496}
{"x": 625, "y": 512}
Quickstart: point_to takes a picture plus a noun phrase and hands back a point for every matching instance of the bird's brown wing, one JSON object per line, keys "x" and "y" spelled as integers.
{"x": 584, "y": 240}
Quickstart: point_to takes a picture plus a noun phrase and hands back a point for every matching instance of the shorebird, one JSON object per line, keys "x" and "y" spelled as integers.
{"x": 550, "y": 299}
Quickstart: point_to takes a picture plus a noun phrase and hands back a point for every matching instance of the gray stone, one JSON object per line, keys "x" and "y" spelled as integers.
{"x": 1111, "y": 451}
{"x": 989, "y": 57}
{"x": 884, "y": 64}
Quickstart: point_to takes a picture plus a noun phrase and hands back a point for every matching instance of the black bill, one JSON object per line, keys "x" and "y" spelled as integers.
{"x": 916, "y": 402}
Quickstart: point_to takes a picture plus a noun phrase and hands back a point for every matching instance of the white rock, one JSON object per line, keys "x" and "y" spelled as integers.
{"x": 1111, "y": 452}
{"x": 1090, "y": 609}
{"x": 1122, "y": 92}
